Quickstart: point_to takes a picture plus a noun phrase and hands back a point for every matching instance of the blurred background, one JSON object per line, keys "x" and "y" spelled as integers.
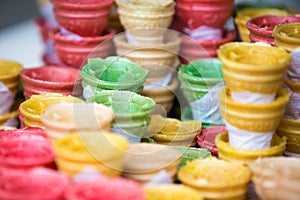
{"x": 19, "y": 37}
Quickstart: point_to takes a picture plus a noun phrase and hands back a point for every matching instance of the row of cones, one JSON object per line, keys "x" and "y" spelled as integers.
{"x": 258, "y": 71}
{"x": 27, "y": 177}
{"x": 286, "y": 38}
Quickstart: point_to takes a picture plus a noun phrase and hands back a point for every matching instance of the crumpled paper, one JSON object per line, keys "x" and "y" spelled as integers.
{"x": 88, "y": 173}
{"x": 207, "y": 109}
{"x": 203, "y": 33}
{"x": 243, "y": 139}
{"x": 292, "y": 109}
{"x": 70, "y": 35}
{"x": 164, "y": 82}
{"x": 47, "y": 13}
{"x": 130, "y": 137}
{"x": 88, "y": 92}
{"x": 246, "y": 97}
{"x": 293, "y": 72}
{"x": 6, "y": 99}
{"x": 160, "y": 179}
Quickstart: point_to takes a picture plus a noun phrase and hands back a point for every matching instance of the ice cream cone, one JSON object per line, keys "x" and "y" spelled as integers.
{"x": 253, "y": 67}
{"x": 145, "y": 15}
{"x": 34, "y": 107}
{"x": 246, "y": 156}
{"x": 78, "y": 150}
{"x": 253, "y": 117}
{"x": 194, "y": 14}
{"x": 276, "y": 178}
{"x": 199, "y": 76}
{"x": 113, "y": 73}
{"x": 76, "y": 52}
{"x": 82, "y": 18}
{"x": 65, "y": 118}
{"x": 290, "y": 129}
{"x": 287, "y": 36}
{"x": 143, "y": 161}
{"x": 248, "y": 13}
{"x": 221, "y": 179}
{"x": 261, "y": 27}
{"x": 55, "y": 79}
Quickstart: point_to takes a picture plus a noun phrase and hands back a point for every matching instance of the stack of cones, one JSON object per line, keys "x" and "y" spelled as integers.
{"x": 253, "y": 102}
{"x": 246, "y": 14}
{"x": 173, "y": 132}
{"x": 287, "y": 37}
{"x": 82, "y": 29}
{"x": 203, "y": 17}
{"x": 148, "y": 43}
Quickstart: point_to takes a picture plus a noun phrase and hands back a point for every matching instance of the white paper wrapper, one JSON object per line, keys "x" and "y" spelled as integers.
{"x": 70, "y": 35}
{"x": 88, "y": 173}
{"x": 88, "y": 92}
{"x": 243, "y": 139}
{"x": 131, "y": 40}
{"x": 229, "y": 24}
{"x": 289, "y": 154}
{"x": 293, "y": 72}
{"x": 164, "y": 82}
{"x": 292, "y": 110}
{"x": 130, "y": 137}
{"x": 207, "y": 109}
{"x": 47, "y": 13}
{"x": 12, "y": 122}
{"x": 252, "y": 98}
{"x": 203, "y": 33}
{"x": 6, "y": 99}
{"x": 160, "y": 179}
{"x": 50, "y": 51}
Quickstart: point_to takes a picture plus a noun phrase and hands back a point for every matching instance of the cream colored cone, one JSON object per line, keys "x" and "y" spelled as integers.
{"x": 163, "y": 96}
{"x": 149, "y": 55}
{"x": 276, "y": 178}
{"x": 141, "y": 17}
{"x": 253, "y": 67}
{"x": 62, "y": 119}
{"x": 33, "y": 108}
{"x": 143, "y": 161}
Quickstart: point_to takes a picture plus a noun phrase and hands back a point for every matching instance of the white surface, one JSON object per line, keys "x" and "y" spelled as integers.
{"x": 22, "y": 43}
